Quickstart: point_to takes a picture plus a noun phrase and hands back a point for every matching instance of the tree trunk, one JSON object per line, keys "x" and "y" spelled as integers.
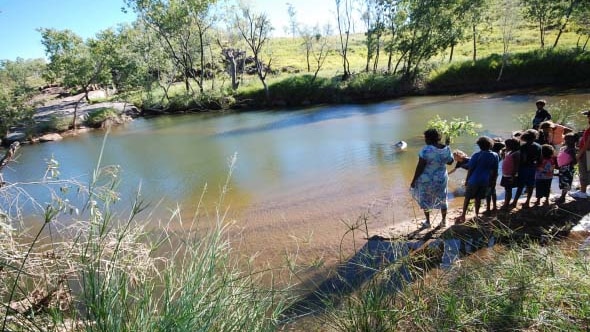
{"x": 504, "y": 60}
{"x": 233, "y": 73}
{"x": 585, "y": 43}
{"x": 377, "y": 54}
{"x": 389, "y": 61}
{"x": 307, "y": 51}
{"x": 202, "y": 58}
{"x": 474, "y": 44}
{"x": 565, "y": 22}
{"x": 452, "y": 51}
{"x": 541, "y": 31}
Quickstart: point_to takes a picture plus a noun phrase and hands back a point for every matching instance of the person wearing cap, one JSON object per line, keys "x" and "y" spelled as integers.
{"x": 583, "y": 169}
{"x": 541, "y": 114}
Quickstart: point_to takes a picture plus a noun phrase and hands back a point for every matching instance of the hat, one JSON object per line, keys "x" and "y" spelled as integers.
{"x": 586, "y": 113}
{"x": 541, "y": 101}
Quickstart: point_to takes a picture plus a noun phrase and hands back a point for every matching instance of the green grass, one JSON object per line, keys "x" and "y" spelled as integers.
{"x": 528, "y": 67}
{"x": 504, "y": 289}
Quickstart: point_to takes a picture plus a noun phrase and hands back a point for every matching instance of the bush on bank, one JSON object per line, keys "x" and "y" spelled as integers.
{"x": 539, "y": 68}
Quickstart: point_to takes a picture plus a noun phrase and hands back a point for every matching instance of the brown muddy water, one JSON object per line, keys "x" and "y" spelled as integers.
{"x": 300, "y": 179}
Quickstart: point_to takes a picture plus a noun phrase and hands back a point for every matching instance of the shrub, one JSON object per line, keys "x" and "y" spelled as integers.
{"x": 54, "y": 124}
{"x": 88, "y": 268}
{"x": 98, "y": 116}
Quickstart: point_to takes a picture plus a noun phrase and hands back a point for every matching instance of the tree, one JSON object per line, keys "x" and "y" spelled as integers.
{"x": 181, "y": 28}
{"x": 16, "y": 92}
{"x": 344, "y": 17}
{"x": 544, "y": 12}
{"x": 79, "y": 65}
{"x": 463, "y": 14}
{"x": 293, "y": 24}
{"x": 373, "y": 17}
{"x": 308, "y": 35}
{"x": 424, "y": 33}
{"x": 581, "y": 23}
{"x": 255, "y": 29}
{"x": 509, "y": 16}
{"x": 234, "y": 59}
{"x": 394, "y": 17}
{"x": 569, "y": 9}
{"x": 478, "y": 15}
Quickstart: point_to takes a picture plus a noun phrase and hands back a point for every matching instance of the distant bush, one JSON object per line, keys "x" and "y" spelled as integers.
{"x": 54, "y": 124}
{"x": 301, "y": 90}
{"x": 370, "y": 86}
{"x": 97, "y": 117}
{"x": 559, "y": 67}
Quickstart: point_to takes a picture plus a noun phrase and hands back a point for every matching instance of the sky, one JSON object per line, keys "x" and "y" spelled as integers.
{"x": 20, "y": 19}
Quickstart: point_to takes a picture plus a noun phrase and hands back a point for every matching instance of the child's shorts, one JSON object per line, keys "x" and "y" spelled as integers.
{"x": 566, "y": 177}
{"x": 526, "y": 177}
{"x": 508, "y": 182}
{"x": 476, "y": 191}
{"x": 542, "y": 187}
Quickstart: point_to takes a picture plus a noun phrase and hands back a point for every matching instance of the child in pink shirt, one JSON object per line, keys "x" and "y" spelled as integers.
{"x": 544, "y": 174}
{"x": 510, "y": 168}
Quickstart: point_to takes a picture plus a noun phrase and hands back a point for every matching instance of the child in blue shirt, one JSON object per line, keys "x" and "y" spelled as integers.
{"x": 483, "y": 169}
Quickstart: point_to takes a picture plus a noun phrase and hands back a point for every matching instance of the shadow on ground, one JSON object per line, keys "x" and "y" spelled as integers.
{"x": 433, "y": 248}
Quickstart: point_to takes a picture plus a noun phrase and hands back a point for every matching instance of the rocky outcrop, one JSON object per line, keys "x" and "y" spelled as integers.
{"x": 50, "y": 137}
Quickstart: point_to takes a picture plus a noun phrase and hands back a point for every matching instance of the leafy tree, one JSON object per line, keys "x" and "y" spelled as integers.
{"x": 454, "y": 128}
{"x": 255, "y": 29}
{"x": 568, "y": 7}
{"x": 181, "y": 27}
{"x": 373, "y": 17}
{"x": 425, "y": 33}
{"x": 462, "y": 15}
{"x": 479, "y": 16}
{"x": 581, "y": 23}
{"x": 154, "y": 66}
{"x": 16, "y": 93}
{"x": 394, "y": 17}
{"x": 544, "y": 12}
{"x": 78, "y": 64}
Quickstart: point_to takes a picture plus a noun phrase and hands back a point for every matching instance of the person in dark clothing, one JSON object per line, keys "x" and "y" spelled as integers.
{"x": 530, "y": 156}
{"x": 541, "y": 114}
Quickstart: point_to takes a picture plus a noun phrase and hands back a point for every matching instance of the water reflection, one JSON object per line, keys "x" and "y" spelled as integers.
{"x": 299, "y": 173}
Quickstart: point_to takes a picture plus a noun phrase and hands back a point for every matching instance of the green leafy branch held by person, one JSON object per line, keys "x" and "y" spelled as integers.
{"x": 454, "y": 128}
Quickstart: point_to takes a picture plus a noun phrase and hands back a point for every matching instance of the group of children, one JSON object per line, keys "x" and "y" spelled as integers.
{"x": 529, "y": 160}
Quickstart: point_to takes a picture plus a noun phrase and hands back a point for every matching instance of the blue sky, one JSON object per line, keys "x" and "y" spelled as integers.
{"x": 19, "y": 19}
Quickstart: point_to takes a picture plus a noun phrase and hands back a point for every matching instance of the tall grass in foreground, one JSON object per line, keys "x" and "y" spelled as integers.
{"x": 88, "y": 268}
{"x": 506, "y": 289}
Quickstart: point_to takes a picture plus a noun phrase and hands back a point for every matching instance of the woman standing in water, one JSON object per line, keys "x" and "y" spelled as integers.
{"x": 429, "y": 185}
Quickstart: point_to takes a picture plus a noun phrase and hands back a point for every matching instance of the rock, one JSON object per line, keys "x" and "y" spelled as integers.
{"x": 16, "y": 136}
{"x": 50, "y": 137}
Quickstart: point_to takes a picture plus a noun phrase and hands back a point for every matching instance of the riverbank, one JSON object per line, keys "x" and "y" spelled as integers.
{"x": 52, "y": 120}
